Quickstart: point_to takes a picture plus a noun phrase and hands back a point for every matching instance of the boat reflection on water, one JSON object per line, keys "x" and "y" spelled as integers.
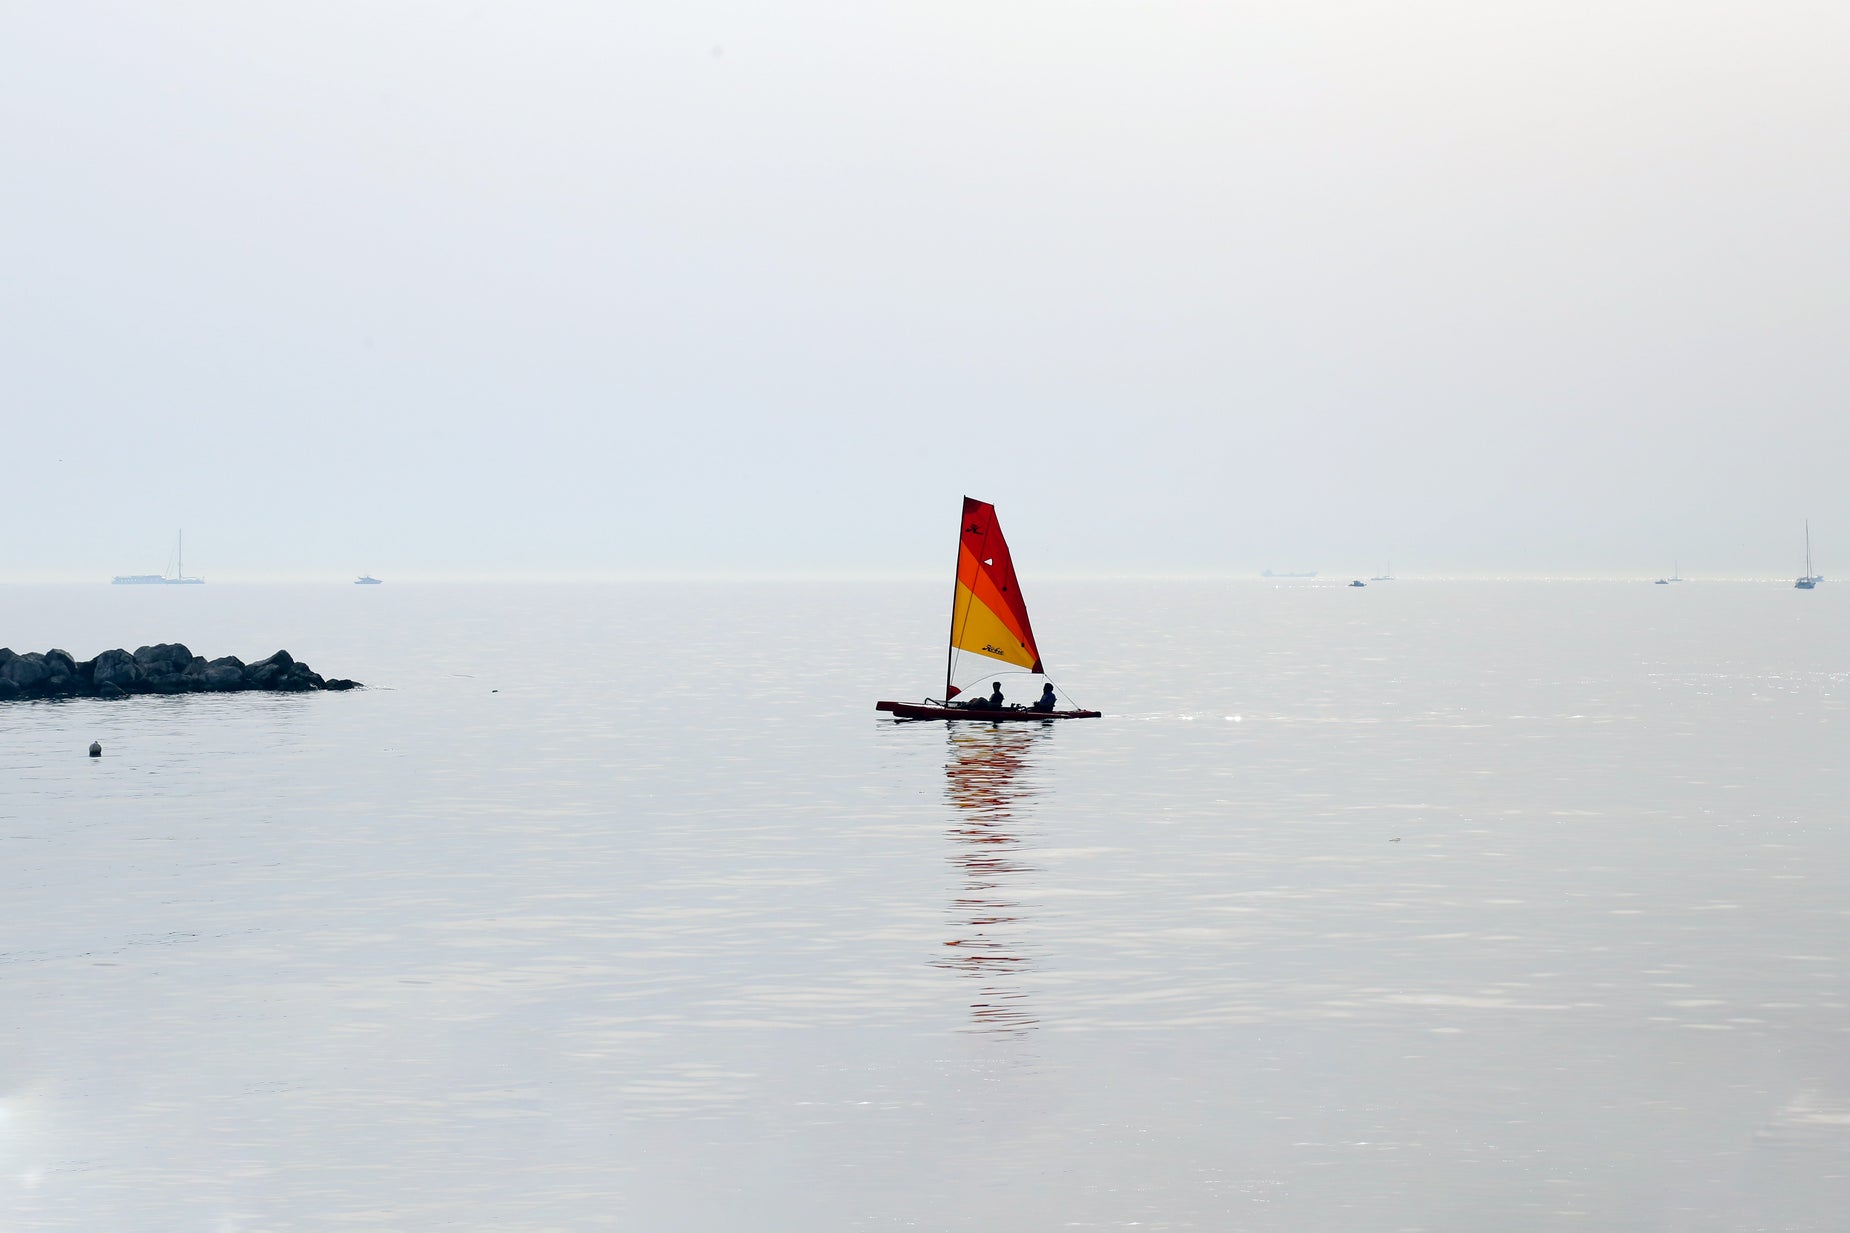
{"x": 985, "y": 773}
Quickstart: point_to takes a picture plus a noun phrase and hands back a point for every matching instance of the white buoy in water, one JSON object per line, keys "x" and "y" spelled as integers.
{"x": 96, "y": 749}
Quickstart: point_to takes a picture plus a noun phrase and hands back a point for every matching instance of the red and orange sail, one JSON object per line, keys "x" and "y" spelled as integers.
{"x": 988, "y": 616}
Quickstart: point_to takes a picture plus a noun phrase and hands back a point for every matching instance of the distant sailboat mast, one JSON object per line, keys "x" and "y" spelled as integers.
{"x": 175, "y": 563}
{"x": 1807, "y": 581}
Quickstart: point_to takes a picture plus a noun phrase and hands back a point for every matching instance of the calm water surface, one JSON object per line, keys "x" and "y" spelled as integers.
{"x": 1431, "y": 906}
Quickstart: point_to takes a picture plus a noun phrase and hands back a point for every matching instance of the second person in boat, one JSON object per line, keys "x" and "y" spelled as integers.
{"x": 1047, "y": 701}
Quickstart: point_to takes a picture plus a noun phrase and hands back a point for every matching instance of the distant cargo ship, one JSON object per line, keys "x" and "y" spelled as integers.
{"x": 178, "y": 578}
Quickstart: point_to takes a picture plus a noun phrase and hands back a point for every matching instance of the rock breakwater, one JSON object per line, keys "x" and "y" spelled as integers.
{"x": 167, "y": 668}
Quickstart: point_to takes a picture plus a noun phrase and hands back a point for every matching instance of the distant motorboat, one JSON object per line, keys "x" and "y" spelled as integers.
{"x": 366, "y": 580}
{"x": 1358, "y": 583}
{"x": 1662, "y": 582}
{"x": 177, "y": 578}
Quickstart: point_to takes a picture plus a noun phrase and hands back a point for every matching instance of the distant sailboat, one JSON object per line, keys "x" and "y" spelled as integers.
{"x": 988, "y": 618}
{"x": 179, "y": 571}
{"x": 1386, "y": 575}
{"x": 1808, "y": 580}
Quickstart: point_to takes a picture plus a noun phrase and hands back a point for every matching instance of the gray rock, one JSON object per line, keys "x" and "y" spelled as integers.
{"x": 116, "y": 668}
{"x": 164, "y": 668}
{"x": 222, "y": 677}
{"x": 25, "y": 670}
{"x": 174, "y": 653}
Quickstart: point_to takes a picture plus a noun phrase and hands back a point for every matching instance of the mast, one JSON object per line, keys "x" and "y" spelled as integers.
{"x": 950, "y": 648}
{"x": 180, "y": 551}
{"x": 1808, "y": 547}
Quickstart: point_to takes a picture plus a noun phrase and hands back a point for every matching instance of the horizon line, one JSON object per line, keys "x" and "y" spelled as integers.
{"x": 797, "y": 576}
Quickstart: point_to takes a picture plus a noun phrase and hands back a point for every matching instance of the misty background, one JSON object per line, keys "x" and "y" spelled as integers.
{"x": 587, "y": 289}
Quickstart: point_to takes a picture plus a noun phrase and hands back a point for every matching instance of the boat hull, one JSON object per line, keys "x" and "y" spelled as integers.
{"x": 919, "y": 710}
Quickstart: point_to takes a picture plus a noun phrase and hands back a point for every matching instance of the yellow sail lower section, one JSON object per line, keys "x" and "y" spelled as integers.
{"x": 981, "y": 632}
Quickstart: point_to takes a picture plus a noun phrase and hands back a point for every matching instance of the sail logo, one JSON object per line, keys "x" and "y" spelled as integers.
{"x": 993, "y": 650}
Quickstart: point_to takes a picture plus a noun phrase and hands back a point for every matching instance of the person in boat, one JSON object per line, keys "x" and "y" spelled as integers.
{"x": 992, "y": 703}
{"x": 1047, "y": 701}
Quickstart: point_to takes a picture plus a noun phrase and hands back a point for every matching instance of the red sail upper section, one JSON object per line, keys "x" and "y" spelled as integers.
{"x": 986, "y": 570}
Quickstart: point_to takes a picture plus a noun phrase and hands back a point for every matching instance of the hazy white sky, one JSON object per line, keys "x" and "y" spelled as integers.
{"x": 555, "y": 287}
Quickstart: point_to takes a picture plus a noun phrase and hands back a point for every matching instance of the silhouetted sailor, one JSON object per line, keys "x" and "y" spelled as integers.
{"x": 1047, "y": 701}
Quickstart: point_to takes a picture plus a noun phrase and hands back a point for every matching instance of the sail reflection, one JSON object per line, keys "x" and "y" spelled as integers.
{"x": 985, "y": 784}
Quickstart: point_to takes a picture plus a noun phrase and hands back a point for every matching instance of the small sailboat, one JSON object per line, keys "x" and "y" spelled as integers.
{"x": 988, "y": 618}
{"x": 177, "y": 578}
{"x": 1808, "y": 580}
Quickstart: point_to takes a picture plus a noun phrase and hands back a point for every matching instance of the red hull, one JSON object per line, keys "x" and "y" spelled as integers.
{"x": 916, "y": 710}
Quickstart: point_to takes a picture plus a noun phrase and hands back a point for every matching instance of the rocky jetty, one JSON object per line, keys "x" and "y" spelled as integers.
{"x": 168, "y": 668}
